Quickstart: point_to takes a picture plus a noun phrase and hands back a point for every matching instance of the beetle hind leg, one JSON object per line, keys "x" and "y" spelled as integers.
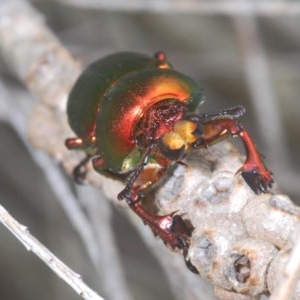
{"x": 80, "y": 171}
{"x": 79, "y": 143}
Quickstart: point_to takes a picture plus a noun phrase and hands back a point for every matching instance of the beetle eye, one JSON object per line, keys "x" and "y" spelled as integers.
{"x": 172, "y": 145}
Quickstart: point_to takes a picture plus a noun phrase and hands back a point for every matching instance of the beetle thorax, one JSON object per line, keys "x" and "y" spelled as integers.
{"x": 157, "y": 120}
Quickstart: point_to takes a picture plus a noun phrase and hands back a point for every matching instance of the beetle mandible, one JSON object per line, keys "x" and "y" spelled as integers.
{"x": 135, "y": 116}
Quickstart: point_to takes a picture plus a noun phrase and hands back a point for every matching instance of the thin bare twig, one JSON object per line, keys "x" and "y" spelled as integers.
{"x": 32, "y": 244}
{"x": 268, "y": 8}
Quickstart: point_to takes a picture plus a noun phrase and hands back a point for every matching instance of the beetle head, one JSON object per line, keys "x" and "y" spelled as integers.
{"x": 163, "y": 123}
{"x": 158, "y": 119}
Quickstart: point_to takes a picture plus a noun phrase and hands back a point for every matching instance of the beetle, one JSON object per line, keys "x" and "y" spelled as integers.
{"x": 135, "y": 117}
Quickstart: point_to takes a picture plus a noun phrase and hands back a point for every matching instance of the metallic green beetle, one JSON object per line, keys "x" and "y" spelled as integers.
{"x": 135, "y": 117}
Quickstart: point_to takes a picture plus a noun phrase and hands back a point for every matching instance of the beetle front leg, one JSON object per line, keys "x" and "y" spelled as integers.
{"x": 254, "y": 171}
{"x": 171, "y": 228}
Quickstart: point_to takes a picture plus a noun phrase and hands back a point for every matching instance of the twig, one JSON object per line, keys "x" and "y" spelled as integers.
{"x": 267, "y": 8}
{"x": 32, "y": 244}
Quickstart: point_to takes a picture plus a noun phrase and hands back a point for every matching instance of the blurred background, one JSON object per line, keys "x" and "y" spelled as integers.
{"x": 238, "y": 58}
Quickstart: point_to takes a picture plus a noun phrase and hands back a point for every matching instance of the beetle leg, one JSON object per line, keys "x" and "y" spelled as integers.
{"x": 135, "y": 174}
{"x": 86, "y": 145}
{"x": 79, "y": 172}
{"x": 78, "y": 143}
{"x": 228, "y": 113}
{"x": 74, "y": 143}
{"x": 188, "y": 263}
{"x": 220, "y": 125}
{"x": 172, "y": 229}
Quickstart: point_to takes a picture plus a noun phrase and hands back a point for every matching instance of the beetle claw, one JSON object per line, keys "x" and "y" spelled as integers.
{"x": 178, "y": 233}
{"x": 127, "y": 195}
{"x": 259, "y": 182}
{"x": 188, "y": 263}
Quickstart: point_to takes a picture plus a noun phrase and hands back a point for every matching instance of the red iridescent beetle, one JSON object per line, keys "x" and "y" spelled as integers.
{"x": 135, "y": 117}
